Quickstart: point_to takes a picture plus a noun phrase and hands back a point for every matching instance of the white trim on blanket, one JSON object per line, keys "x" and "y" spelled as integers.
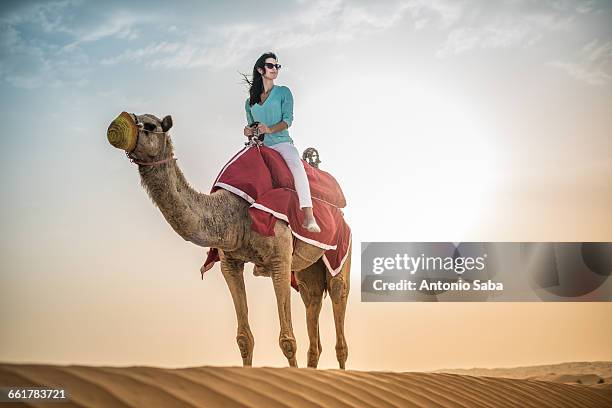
{"x": 283, "y": 217}
{"x": 236, "y": 156}
{"x": 336, "y": 271}
{"x": 236, "y": 191}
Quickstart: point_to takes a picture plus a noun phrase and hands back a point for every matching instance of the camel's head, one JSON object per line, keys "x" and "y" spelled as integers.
{"x": 144, "y": 137}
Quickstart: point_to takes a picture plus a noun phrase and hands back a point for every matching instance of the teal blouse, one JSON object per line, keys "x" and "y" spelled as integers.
{"x": 277, "y": 107}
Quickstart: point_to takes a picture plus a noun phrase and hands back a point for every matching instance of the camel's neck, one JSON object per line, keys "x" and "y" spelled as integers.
{"x": 196, "y": 217}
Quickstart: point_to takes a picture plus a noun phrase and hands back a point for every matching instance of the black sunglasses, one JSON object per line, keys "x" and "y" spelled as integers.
{"x": 270, "y": 65}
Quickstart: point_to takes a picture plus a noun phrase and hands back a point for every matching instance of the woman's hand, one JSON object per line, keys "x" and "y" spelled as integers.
{"x": 263, "y": 128}
{"x": 248, "y": 132}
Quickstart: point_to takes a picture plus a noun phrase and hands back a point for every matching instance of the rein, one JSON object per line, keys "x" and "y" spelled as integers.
{"x": 155, "y": 163}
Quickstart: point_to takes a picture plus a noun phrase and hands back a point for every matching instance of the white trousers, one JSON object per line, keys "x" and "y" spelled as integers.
{"x": 294, "y": 162}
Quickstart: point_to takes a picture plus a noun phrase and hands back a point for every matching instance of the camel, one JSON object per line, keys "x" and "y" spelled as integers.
{"x": 221, "y": 220}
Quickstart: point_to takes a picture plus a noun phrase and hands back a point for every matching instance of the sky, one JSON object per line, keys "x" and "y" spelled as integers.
{"x": 442, "y": 120}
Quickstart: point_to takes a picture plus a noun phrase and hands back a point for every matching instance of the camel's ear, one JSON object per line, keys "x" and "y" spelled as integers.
{"x": 166, "y": 123}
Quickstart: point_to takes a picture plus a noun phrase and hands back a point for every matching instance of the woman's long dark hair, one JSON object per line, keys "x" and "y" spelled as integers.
{"x": 256, "y": 87}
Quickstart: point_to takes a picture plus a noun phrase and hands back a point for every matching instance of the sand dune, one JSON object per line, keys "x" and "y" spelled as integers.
{"x": 600, "y": 368}
{"x": 290, "y": 387}
{"x": 596, "y": 373}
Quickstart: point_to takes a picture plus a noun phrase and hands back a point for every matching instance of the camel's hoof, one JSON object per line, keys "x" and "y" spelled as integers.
{"x": 342, "y": 354}
{"x": 288, "y": 347}
{"x": 245, "y": 346}
{"x": 314, "y": 354}
{"x": 313, "y": 360}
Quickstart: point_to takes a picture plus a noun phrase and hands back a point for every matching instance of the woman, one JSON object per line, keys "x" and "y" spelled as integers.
{"x": 272, "y": 107}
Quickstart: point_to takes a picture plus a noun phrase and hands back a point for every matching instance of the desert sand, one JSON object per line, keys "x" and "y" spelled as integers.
{"x": 595, "y": 373}
{"x": 304, "y": 387}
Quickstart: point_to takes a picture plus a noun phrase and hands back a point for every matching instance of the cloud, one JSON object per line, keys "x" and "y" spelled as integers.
{"x": 593, "y": 64}
{"x": 61, "y": 42}
{"x": 583, "y": 6}
{"x": 438, "y": 13}
{"x": 324, "y": 21}
{"x": 332, "y": 21}
{"x": 119, "y": 25}
{"x": 50, "y": 17}
{"x": 137, "y": 55}
{"x": 493, "y": 36}
{"x": 39, "y": 43}
{"x": 85, "y": 38}
{"x": 511, "y": 24}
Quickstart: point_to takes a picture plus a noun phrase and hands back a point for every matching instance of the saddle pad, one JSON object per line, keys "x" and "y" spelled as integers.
{"x": 260, "y": 175}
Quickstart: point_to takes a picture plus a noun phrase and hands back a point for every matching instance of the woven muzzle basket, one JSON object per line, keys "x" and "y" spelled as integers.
{"x": 122, "y": 132}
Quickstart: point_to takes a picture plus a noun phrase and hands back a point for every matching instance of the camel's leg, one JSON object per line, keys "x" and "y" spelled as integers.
{"x": 338, "y": 287}
{"x": 280, "y": 272}
{"x": 233, "y": 273}
{"x": 311, "y": 282}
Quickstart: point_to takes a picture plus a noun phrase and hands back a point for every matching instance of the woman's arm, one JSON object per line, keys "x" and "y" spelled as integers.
{"x": 278, "y": 127}
{"x": 249, "y": 116}
{"x": 273, "y": 129}
{"x": 287, "y": 108}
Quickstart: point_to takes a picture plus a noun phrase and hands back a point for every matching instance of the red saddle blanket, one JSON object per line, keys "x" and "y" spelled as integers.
{"x": 261, "y": 176}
